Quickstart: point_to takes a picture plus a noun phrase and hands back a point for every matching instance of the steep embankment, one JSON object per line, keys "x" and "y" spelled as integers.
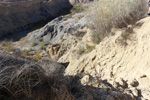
{"x": 122, "y": 59}
{"x": 19, "y": 15}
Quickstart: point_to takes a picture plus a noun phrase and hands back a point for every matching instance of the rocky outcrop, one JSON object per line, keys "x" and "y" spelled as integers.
{"x": 69, "y": 44}
{"x": 121, "y": 59}
{"x": 19, "y": 15}
{"x": 54, "y": 30}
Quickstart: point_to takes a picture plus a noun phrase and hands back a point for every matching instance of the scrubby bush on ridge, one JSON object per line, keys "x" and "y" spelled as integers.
{"x": 107, "y": 14}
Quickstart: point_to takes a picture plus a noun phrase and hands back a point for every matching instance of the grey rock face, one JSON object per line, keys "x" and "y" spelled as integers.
{"x": 16, "y": 16}
{"x": 54, "y": 30}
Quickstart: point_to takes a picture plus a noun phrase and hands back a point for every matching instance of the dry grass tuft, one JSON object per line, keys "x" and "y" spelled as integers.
{"x": 81, "y": 51}
{"x": 23, "y": 80}
{"x": 107, "y": 14}
{"x": 8, "y": 45}
{"x": 37, "y": 56}
{"x": 90, "y": 47}
{"x": 77, "y": 9}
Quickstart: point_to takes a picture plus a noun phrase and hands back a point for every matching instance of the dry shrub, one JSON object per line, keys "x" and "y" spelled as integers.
{"x": 81, "y": 51}
{"x": 90, "y": 47}
{"x": 77, "y": 9}
{"x": 37, "y": 56}
{"x": 107, "y": 14}
{"x": 23, "y": 80}
{"x": 8, "y": 45}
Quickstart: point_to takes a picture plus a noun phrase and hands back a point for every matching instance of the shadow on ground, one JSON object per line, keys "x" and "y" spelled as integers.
{"x": 44, "y": 80}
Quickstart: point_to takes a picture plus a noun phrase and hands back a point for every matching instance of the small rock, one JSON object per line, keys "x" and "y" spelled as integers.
{"x": 130, "y": 29}
{"x": 85, "y": 79}
{"x": 134, "y": 83}
{"x": 143, "y": 76}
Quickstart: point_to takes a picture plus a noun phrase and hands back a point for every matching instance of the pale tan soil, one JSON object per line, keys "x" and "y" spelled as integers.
{"x": 125, "y": 55}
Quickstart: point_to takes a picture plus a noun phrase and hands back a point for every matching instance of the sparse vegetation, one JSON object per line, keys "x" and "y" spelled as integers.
{"x": 37, "y": 55}
{"x": 87, "y": 49}
{"x": 107, "y": 14}
{"x": 90, "y": 47}
{"x": 95, "y": 38}
{"x": 81, "y": 51}
{"x": 77, "y": 9}
{"x": 26, "y": 52}
{"x": 8, "y": 45}
{"x": 43, "y": 45}
{"x": 40, "y": 39}
{"x": 34, "y": 44}
{"x": 30, "y": 49}
{"x": 99, "y": 63}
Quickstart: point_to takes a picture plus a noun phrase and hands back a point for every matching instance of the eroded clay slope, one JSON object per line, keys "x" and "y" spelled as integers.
{"x": 123, "y": 57}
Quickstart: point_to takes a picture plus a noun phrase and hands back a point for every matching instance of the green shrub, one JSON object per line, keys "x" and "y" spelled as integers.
{"x": 95, "y": 38}
{"x": 40, "y": 39}
{"x": 30, "y": 49}
{"x": 26, "y": 52}
{"x": 43, "y": 45}
{"x": 77, "y": 9}
{"x": 89, "y": 48}
{"x": 34, "y": 44}
{"x": 37, "y": 55}
{"x": 107, "y": 14}
{"x": 81, "y": 51}
{"x": 8, "y": 45}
